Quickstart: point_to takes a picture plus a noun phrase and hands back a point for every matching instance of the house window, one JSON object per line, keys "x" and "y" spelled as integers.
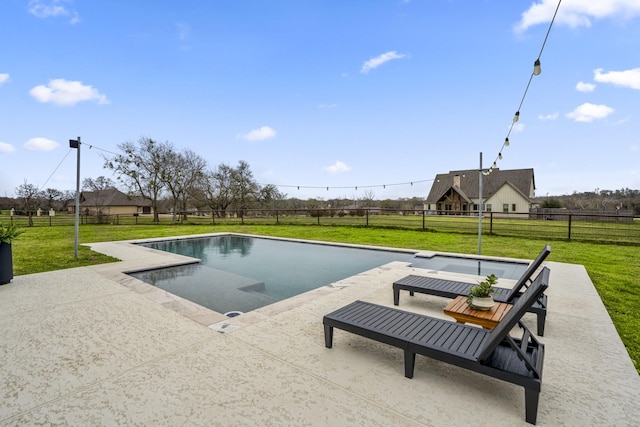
{"x": 513, "y": 207}
{"x": 488, "y": 207}
{"x": 505, "y": 207}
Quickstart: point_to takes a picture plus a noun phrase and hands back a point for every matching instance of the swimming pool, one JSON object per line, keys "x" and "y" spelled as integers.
{"x": 241, "y": 274}
{"x": 476, "y": 266}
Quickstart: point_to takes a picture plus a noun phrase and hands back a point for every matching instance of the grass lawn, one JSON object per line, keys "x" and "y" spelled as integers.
{"x": 614, "y": 269}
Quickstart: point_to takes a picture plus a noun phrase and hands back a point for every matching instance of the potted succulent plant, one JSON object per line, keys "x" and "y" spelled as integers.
{"x": 7, "y": 234}
{"x": 479, "y": 297}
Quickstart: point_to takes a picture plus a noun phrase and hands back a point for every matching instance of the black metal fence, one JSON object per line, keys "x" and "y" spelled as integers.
{"x": 603, "y": 228}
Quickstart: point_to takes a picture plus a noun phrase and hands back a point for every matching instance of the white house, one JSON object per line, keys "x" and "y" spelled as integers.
{"x": 505, "y": 191}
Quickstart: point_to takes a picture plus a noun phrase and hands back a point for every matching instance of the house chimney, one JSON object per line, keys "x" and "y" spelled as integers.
{"x": 456, "y": 181}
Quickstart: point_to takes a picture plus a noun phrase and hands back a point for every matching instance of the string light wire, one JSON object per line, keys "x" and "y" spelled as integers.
{"x": 535, "y": 72}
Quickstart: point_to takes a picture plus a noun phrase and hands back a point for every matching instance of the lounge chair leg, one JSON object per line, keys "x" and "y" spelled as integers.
{"x": 396, "y": 296}
{"x": 409, "y": 363}
{"x": 328, "y": 336}
{"x": 531, "y": 405}
{"x": 542, "y": 317}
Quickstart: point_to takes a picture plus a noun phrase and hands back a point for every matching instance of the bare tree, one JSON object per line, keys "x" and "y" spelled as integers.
{"x": 217, "y": 188}
{"x": 184, "y": 174}
{"x": 29, "y": 198}
{"x": 99, "y": 189}
{"x": 142, "y": 168}
{"x": 54, "y": 199}
{"x": 269, "y": 196}
{"x": 244, "y": 188}
{"x": 367, "y": 199}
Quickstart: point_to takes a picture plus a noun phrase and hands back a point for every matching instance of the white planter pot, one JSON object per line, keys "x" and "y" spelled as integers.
{"x": 486, "y": 303}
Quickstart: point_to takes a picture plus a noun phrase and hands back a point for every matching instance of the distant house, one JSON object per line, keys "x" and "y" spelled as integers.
{"x": 110, "y": 202}
{"x": 502, "y": 191}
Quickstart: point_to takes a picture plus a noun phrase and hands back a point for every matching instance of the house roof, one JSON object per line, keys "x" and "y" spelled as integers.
{"x": 111, "y": 197}
{"x": 522, "y": 180}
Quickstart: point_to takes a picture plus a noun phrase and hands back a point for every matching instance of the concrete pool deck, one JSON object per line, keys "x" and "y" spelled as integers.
{"x": 92, "y": 346}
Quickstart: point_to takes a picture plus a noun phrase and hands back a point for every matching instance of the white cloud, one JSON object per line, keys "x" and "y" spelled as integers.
{"x": 379, "y": 60}
{"x": 6, "y": 148}
{"x": 585, "y": 87}
{"x": 627, "y": 78}
{"x": 327, "y": 106}
{"x": 184, "y": 31}
{"x": 548, "y": 116}
{"x": 53, "y": 8}
{"x": 337, "y": 167}
{"x": 40, "y": 144}
{"x": 589, "y": 112}
{"x": 65, "y": 92}
{"x": 4, "y": 78}
{"x": 577, "y": 13}
{"x": 260, "y": 134}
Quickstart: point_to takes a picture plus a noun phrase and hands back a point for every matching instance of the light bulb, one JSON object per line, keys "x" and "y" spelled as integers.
{"x": 536, "y": 68}
{"x": 506, "y": 142}
{"x": 516, "y": 117}
{"x": 500, "y": 156}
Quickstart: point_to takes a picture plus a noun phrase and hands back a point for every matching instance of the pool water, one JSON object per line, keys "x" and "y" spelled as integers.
{"x": 479, "y": 267}
{"x": 239, "y": 273}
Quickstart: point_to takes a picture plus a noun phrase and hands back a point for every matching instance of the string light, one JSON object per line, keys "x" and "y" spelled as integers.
{"x": 537, "y": 69}
{"x": 328, "y": 188}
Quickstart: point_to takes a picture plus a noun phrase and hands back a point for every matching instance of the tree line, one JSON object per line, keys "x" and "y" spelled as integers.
{"x": 179, "y": 181}
{"x": 597, "y": 200}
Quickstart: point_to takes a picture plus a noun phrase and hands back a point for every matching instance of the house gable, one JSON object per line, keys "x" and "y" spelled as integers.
{"x": 517, "y": 186}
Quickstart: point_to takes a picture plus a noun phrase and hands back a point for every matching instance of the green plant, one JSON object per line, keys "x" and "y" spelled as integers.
{"x": 483, "y": 289}
{"x": 9, "y": 232}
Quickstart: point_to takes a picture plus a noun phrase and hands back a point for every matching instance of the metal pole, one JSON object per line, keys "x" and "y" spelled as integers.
{"x": 480, "y": 207}
{"x": 75, "y": 143}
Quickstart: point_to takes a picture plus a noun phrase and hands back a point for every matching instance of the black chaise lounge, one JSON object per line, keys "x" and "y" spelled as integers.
{"x": 453, "y": 289}
{"x": 494, "y": 353}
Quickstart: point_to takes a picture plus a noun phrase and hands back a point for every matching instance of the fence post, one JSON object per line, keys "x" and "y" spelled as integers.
{"x": 491, "y": 223}
{"x": 366, "y": 212}
{"x": 424, "y": 215}
{"x": 277, "y": 218}
{"x": 570, "y": 217}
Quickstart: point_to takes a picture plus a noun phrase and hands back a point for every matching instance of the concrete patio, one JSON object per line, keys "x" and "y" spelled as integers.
{"x": 93, "y": 346}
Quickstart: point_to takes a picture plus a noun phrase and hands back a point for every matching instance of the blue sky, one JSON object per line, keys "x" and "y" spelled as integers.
{"x": 374, "y": 94}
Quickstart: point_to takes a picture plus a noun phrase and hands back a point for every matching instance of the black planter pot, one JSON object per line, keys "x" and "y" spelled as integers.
{"x": 6, "y": 263}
